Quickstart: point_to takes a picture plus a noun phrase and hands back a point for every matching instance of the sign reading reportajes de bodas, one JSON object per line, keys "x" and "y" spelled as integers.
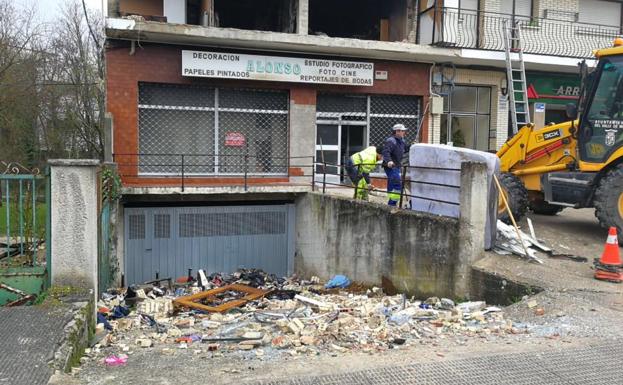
{"x": 276, "y": 68}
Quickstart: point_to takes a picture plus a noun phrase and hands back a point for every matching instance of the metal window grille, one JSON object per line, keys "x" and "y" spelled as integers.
{"x": 380, "y": 111}
{"x": 197, "y": 121}
{"x": 162, "y": 226}
{"x": 137, "y": 226}
{"x": 231, "y": 224}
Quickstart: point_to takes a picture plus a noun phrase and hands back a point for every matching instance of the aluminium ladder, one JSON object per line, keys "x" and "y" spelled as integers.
{"x": 516, "y": 75}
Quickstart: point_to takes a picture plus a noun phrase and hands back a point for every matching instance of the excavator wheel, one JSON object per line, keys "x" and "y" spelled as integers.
{"x": 516, "y": 196}
{"x": 543, "y": 208}
{"x": 608, "y": 200}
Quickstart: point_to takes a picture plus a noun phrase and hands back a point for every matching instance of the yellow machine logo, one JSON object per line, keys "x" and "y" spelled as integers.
{"x": 548, "y": 135}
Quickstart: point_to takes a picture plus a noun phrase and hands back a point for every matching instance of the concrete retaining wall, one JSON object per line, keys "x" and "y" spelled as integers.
{"x": 402, "y": 251}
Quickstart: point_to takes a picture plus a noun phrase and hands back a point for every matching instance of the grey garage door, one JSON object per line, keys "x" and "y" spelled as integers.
{"x": 171, "y": 240}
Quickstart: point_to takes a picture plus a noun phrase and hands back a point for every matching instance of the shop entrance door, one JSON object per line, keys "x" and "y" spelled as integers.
{"x": 336, "y": 141}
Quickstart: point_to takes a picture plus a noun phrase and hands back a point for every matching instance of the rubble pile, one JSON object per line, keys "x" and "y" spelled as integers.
{"x": 294, "y": 317}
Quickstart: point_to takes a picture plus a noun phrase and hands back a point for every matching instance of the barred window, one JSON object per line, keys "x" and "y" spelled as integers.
{"x": 192, "y": 127}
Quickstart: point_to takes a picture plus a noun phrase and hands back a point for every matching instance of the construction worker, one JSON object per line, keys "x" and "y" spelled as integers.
{"x": 359, "y": 167}
{"x": 393, "y": 151}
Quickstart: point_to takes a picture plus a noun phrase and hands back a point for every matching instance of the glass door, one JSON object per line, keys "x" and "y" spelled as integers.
{"x": 328, "y": 140}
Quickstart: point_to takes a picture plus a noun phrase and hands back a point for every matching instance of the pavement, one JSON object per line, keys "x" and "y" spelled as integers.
{"x": 589, "y": 365}
{"x": 29, "y": 337}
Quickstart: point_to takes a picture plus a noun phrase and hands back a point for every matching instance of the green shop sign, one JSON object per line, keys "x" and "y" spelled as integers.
{"x": 553, "y": 88}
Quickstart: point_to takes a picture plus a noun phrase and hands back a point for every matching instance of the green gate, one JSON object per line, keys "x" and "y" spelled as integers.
{"x": 24, "y": 233}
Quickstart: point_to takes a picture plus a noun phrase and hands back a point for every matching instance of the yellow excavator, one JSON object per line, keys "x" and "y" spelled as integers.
{"x": 578, "y": 163}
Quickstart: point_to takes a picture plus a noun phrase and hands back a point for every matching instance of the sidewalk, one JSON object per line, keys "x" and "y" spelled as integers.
{"x": 29, "y": 337}
{"x": 598, "y": 364}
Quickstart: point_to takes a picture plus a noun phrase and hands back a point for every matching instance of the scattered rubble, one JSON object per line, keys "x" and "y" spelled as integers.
{"x": 508, "y": 242}
{"x": 291, "y": 316}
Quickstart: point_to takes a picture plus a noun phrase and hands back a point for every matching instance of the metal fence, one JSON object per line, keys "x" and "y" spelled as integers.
{"x": 228, "y": 124}
{"x": 24, "y": 233}
{"x": 312, "y": 172}
{"x": 453, "y": 27}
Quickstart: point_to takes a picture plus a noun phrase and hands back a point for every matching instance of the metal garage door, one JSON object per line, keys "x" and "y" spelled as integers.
{"x": 171, "y": 240}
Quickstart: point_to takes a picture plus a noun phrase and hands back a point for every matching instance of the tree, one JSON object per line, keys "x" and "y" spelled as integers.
{"x": 51, "y": 85}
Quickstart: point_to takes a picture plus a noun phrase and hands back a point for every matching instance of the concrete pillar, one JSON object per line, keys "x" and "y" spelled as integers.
{"x": 302, "y": 134}
{"x": 472, "y": 222}
{"x": 74, "y": 205}
{"x": 112, "y": 7}
{"x": 302, "y": 17}
{"x": 207, "y": 13}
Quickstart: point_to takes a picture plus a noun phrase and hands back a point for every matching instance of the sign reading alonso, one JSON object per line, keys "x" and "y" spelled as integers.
{"x": 276, "y": 68}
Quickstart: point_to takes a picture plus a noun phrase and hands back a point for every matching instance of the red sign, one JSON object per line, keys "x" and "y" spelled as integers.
{"x": 234, "y": 139}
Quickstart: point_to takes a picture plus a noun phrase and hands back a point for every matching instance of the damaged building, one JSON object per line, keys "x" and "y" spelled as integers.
{"x": 224, "y": 112}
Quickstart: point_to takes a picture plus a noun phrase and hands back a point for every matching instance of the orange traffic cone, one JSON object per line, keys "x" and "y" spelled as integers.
{"x": 611, "y": 254}
{"x": 610, "y": 267}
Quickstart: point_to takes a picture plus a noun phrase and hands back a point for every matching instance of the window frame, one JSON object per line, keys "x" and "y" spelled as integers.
{"x": 447, "y": 110}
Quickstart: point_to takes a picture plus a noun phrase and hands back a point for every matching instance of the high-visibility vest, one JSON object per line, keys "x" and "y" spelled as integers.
{"x": 365, "y": 160}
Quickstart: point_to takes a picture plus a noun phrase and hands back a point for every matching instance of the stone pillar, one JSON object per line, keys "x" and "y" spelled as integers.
{"x": 472, "y": 222}
{"x": 74, "y": 205}
{"x": 302, "y": 17}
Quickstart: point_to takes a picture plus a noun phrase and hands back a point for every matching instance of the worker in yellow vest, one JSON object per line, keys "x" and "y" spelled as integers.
{"x": 359, "y": 166}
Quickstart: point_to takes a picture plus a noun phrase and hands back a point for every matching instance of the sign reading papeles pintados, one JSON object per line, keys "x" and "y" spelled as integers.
{"x": 276, "y": 68}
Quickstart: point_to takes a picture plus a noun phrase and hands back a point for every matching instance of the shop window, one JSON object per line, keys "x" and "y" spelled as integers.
{"x": 466, "y": 121}
{"x": 218, "y": 131}
{"x": 359, "y": 19}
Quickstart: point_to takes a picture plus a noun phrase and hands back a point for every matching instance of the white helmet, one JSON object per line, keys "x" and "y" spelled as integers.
{"x": 399, "y": 127}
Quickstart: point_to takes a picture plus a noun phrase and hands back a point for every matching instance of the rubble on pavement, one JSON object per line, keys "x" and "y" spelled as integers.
{"x": 508, "y": 242}
{"x": 295, "y": 317}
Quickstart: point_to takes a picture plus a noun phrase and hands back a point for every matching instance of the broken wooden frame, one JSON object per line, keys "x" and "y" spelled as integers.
{"x": 191, "y": 301}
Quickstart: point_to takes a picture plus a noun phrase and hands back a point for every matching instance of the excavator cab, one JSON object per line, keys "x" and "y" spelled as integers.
{"x": 601, "y": 126}
{"x": 578, "y": 163}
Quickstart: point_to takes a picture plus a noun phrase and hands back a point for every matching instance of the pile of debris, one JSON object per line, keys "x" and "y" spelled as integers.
{"x": 511, "y": 240}
{"x": 251, "y": 310}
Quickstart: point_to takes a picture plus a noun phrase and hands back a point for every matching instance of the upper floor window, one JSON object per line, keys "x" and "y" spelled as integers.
{"x": 606, "y": 13}
{"x": 518, "y": 8}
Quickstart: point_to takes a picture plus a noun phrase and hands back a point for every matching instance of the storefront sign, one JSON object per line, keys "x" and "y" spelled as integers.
{"x": 234, "y": 139}
{"x": 553, "y": 88}
{"x": 276, "y": 68}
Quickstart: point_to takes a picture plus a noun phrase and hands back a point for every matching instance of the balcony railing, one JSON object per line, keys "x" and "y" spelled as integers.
{"x": 452, "y": 27}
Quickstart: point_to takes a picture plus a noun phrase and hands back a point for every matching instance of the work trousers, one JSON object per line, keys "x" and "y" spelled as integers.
{"x": 359, "y": 180}
{"x": 394, "y": 185}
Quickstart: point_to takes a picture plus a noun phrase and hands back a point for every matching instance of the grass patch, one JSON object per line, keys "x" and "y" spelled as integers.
{"x": 14, "y": 216}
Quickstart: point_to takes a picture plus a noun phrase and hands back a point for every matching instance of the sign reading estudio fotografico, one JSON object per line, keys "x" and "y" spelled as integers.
{"x": 276, "y": 68}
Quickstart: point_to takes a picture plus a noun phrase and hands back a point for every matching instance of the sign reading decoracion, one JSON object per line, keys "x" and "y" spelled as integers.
{"x": 276, "y": 68}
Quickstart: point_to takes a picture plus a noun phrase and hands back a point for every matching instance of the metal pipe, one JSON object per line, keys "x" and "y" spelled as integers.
{"x": 182, "y": 173}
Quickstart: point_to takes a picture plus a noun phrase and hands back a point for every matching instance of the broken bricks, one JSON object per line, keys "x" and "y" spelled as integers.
{"x": 311, "y": 321}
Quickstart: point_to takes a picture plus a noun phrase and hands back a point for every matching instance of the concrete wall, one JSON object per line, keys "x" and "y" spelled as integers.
{"x": 402, "y": 251}
{"x": 74, "y": 205}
